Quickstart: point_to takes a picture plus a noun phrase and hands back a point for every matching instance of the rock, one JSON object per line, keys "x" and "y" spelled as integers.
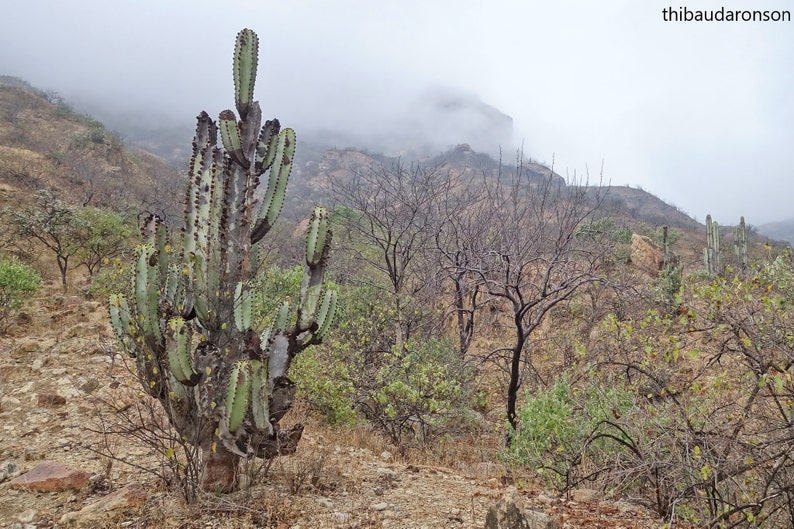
{"x": 51, "y": 476}
{"x": 380, "y": 506}
{"x": 584, "y": 495}
{"x": 27, "y": 516}
{"x": 29, "y": 345}
{"x": 510, "y": 513}
{"x": 50, "y": 400}
{"x": 8, "y": 470}
{"x": 128, "y": 497}
{"x": 645, "y": 255}
{"x": 91, "y": 385}
{"x": 9, "y": 403}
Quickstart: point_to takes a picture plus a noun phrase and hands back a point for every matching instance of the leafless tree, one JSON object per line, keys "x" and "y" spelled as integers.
{"x": 531, "y": 256}
{"x": 394, "y": 212}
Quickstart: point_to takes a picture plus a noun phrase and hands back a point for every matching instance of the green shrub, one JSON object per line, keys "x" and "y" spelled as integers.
{"x": 560, "y": 429}
{"x": 18, "y": 282}
{"x": 419, "y": 391}
{"x": 326, "y": 384}
{"x": 114, "y": 276}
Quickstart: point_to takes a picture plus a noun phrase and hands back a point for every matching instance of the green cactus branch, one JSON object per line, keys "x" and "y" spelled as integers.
{"x": 711, "y": 254}
{"x": 740, "y": 245}
{"x": 188, "y": 318}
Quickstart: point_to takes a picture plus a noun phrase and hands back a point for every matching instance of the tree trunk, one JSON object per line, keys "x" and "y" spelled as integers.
{"x": 63, "y": 265}
{"x": 220, "y": 470}
{"x": 512, "y": 393}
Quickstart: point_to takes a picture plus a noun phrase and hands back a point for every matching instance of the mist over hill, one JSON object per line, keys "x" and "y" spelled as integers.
{"x": 320, "y": 153}
{"x": 782, "y": 230}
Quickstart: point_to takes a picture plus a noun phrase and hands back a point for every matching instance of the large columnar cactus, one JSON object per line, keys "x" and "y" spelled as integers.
{"x": 189, "y": 324}
{"x": 740, "y": 245}
{"x": 711, "y": 254}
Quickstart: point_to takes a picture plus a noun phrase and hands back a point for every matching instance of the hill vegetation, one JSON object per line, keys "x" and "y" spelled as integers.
{"x": 566, "y": 335}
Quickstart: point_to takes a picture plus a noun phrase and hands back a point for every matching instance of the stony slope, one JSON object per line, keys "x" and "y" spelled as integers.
{"x": 62, "y": 347}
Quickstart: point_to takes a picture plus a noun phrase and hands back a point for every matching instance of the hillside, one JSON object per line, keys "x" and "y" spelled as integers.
{"x": 70, "y": 395}
{"x": 781, "y": 231}
{"x": 45, "y": 145}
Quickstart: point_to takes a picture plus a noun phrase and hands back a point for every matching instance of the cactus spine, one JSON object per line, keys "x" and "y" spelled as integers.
{"x": 190, "y": 324}
{"x": 711, "y": 254}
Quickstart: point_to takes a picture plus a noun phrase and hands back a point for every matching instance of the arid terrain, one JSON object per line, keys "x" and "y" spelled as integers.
{"x": 62, "y": 346}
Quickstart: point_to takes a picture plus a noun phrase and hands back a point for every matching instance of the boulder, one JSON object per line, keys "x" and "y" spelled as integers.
{"x": 97, "y": 513}
{"x": 51, "y": 476}
{"x": 510, "y": 513}
{"x": 645, "y": 255}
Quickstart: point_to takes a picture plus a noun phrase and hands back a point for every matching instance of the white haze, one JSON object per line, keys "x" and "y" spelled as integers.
{"x": 698, "y": 113}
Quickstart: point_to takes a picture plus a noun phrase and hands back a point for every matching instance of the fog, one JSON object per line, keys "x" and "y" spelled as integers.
{"x": 697, "y": 113}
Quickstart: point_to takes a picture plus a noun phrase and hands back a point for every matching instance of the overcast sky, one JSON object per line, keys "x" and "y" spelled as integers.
{"x": 701, "y": 114}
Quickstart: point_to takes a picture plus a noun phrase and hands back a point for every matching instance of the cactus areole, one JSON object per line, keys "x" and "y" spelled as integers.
{"x": 188, "y": 320}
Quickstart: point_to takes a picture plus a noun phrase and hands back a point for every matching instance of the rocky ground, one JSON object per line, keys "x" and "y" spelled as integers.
{"x": 61, "y": 384}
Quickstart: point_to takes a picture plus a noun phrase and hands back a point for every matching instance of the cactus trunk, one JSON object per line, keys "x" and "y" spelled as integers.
{"x": 711, "y": 254}
{"x": 198, "y": 345}
{"x": 740, "y": 245}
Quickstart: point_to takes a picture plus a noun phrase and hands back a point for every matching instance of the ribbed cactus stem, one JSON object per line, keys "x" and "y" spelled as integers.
{"x": 711, "y": 254}
{"x": 238, "y": 394}
{"x": 246, "y": 57}
{"x": 740, "y": 244}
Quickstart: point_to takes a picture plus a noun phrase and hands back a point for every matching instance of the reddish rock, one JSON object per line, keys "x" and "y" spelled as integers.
{"x": 129, "y": 497}
{"x": 51, "y": 476}
{"x": 645, "y": 255}
{"x": 50, "y": 400}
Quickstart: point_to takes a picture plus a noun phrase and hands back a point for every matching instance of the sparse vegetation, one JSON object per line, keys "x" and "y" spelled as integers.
{"x": 473, "y": 303}
{"x": 18, "y": 283}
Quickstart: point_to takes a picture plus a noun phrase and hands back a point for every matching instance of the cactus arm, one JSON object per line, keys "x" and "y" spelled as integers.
{"x": 273, "y": 200}
{"x": 266, "y": 146}
{"x": 711, "y": 255}
{"x": 316, "y": 236}
{"x": 120, "y": 321}
{"x": 740, "y": 244}
{"x": 318, "y": 241}
{"x": 246, "y": 53}
{"x": 325, "y": 316}
{"x": 237, "y": 395}
{"x": 311, "y": 288}
{"x": 279, "y": 323}
{"x": 200, "y": 165}
{"x": 179, "y": 353}
{"x": 201, "y": 302}
{"x": 146, "y": 293}
{"x": 231, "y": 137}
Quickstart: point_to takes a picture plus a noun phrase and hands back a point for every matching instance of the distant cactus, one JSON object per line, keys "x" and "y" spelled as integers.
{"x": 188, "y": 321}
{"x": 711, "y": 254}
{"x": 740, "y": 245}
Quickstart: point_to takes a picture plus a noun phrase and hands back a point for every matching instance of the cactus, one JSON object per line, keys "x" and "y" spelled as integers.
{"x": 740, "y": 245}
{"x": 711, "y": 254}
{"x": 189, "y": 320}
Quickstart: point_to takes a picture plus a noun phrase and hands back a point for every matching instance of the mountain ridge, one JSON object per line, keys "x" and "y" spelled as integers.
{"x": 41, "y": 135}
